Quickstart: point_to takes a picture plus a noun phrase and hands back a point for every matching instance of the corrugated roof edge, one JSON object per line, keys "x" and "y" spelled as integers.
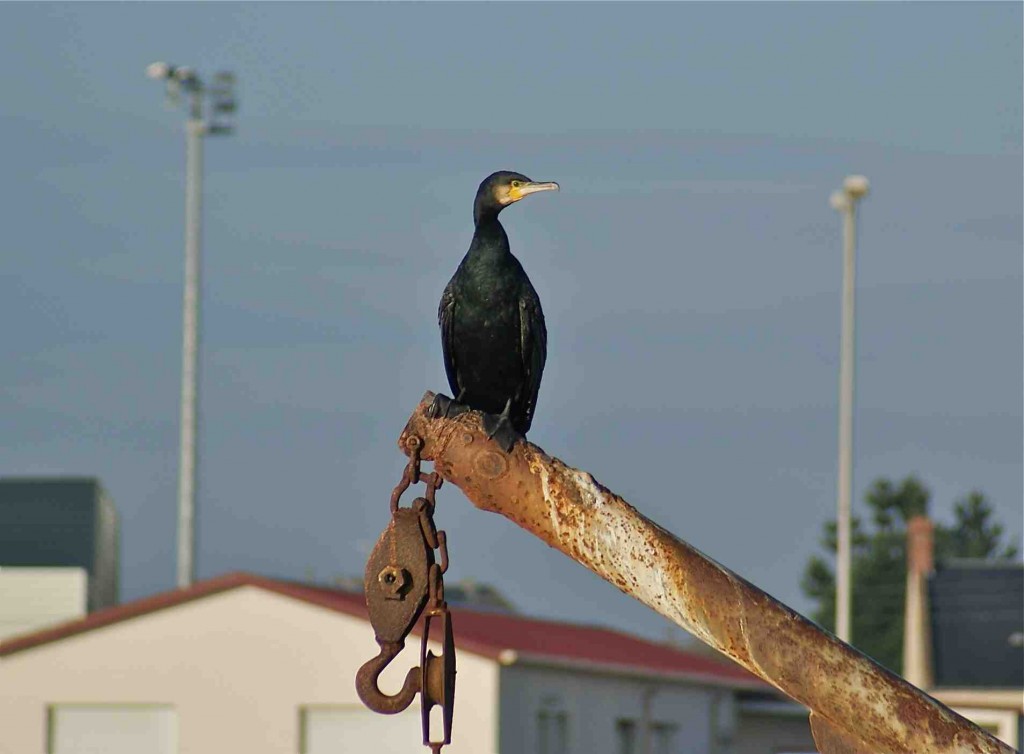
{"x": 48, "y": 479}
{"x": 512, "y": 657}
{"x": 979, "y": 564}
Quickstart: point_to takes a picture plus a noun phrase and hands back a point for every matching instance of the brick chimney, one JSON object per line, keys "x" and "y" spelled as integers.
{"x": 917, "y": 634}
{"x": 920, "y": 545}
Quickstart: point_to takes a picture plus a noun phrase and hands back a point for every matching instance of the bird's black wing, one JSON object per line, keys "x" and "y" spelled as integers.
{"x": 533, "y": 343}
{"x": 446, "y": 321}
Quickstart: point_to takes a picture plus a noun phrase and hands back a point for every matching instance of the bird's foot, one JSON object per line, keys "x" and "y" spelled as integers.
{"x": 443, "y": 406}
{"x": 500, "y": 429}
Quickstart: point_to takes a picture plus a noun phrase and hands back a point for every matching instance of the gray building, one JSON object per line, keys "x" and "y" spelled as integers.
{"x": 964, "y": 634}
{"x": 977, "y": 623}
{"x": 62, "y": 521}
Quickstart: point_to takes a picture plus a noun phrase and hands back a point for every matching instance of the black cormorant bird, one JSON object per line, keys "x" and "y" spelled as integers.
{"x": 492, "y": 326}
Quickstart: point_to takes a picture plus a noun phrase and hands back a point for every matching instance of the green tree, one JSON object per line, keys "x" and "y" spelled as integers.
{"x": 879, "y": 566}
{"x": 975, "y": 535}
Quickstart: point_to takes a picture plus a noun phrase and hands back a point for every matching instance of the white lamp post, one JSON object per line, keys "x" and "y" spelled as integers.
{"x": 222, "y": 98}
{"x": 855, "y": 187}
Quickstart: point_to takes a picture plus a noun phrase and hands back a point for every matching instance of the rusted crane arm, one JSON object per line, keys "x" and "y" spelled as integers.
{"x": 857, "y": 706}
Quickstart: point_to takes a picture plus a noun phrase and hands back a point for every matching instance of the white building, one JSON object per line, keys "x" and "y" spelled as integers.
{"x": 31, "y": 598}
{"x": 243, "y": 663}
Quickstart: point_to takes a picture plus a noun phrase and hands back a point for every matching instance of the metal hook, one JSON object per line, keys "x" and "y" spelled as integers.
{"x": 367, "y": 679}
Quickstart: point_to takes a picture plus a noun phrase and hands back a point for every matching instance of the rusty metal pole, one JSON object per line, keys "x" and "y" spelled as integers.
{"x": 857, "y": 707}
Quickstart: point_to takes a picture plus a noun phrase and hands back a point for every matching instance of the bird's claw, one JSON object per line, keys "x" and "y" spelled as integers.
{"x": 444, "y": 407}
{"x": 500, "y": 429}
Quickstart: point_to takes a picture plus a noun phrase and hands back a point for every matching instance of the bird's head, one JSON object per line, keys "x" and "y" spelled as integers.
{"x": 503, "y": 188}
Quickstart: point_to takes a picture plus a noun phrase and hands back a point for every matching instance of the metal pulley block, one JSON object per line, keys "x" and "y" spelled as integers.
{"x": 402, "y": 579}
{"x": 396, "y": 577}
{"x": 438, "y": 679}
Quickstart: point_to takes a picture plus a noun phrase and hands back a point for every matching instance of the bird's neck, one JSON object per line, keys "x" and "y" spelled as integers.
{"x": 489, "y": 237}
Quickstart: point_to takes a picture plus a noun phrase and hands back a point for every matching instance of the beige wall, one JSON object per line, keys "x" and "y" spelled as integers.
{"x": 31, "y": 598}
{"x": 236, "y": 666}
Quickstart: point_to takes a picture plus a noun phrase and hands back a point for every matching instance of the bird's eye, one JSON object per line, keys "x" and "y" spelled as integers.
{"x": 515, "y": 184}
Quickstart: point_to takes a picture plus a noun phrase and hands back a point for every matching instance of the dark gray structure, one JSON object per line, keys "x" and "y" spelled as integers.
{"x": 978, "y": 624}
{"x": 62, "y": 521}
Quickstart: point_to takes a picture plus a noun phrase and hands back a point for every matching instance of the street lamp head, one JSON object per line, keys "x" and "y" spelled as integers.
{"x": 184, "y": 79}
{"x": 222, "y": 96}
{"x": 855, "y": 186}
{"x": 159, "y": 70}
{"x": 184, "y": 74}
{"x": 839, "y": 201}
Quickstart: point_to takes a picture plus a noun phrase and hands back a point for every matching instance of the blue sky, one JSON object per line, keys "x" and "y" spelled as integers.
{"x": 689, "y": 268}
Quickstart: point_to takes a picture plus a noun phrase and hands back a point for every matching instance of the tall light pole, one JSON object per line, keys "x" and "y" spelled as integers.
{"x": 222, "y": 100}
{"x": 855, "y": 187}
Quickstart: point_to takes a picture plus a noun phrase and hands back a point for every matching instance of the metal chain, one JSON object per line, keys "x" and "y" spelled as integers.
{"x": 433, "y": 691}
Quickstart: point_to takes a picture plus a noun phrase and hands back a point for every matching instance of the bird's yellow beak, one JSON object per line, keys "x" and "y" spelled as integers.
{"x": 518, "y": 192}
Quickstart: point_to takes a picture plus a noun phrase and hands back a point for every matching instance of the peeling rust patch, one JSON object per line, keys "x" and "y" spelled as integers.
{"x": 490, "y": 464}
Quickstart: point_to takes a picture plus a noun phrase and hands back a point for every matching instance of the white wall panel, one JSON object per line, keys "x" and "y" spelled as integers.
{"x": 112, "y": 729}
{"x": 33, "y": 598}
{"x": 340, "y": 730}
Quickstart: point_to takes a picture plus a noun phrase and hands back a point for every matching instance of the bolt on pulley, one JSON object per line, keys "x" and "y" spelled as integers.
{"x": 402, "y": 579}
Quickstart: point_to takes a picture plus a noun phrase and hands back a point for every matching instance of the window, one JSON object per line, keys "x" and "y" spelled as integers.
{"x": 1000, "y": 723}
{"x": 625, "y": 731}
{"x": 351, "y": 728}
{"x": 663, "y": 738}
{"x": 112, "y": 729}
{"x": 552, "y": 732}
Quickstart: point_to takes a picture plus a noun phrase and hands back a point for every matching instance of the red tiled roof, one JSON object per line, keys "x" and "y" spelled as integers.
{"x": 483, "y": 633}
